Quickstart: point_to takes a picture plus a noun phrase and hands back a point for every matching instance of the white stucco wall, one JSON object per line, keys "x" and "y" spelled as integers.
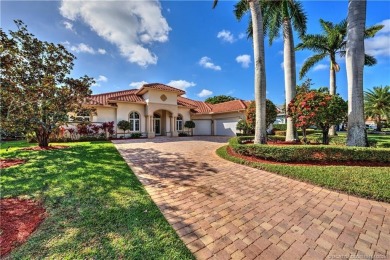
{"x": 105, "y": 114}
{"x": 124, "y": 109}
{"x": 154, "y": 96}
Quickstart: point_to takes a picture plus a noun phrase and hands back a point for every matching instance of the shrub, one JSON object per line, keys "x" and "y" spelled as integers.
{"x": 135, "y": 135}
{"x": 189, "y": 124}
{"x": 282, "y": 127}
{"x": 183, "y": 134}
{"x": 298, "y": 153}
{"x": 280, "y": 132}
{"x": 124, "y": 125}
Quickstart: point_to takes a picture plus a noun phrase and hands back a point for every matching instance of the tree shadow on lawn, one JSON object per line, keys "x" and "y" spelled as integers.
{"x": 96, "y": 207}
{"x": 161, "y": 169}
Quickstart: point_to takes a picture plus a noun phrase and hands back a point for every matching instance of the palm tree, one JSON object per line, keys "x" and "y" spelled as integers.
{"x": 329, "y": 44}
{"x": 357, "y": 134}
{"x": 282, "y": 14}
{"x": 259, "y": 60}
{"x": 377, "y": 104}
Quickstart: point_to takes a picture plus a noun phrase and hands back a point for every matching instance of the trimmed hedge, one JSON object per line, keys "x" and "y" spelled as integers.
{"x": 280, "y": 126}
{"x": 299, "y": 153}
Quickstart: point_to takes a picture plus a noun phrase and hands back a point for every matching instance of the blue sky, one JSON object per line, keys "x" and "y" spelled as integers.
{"x": 186, "y": 44}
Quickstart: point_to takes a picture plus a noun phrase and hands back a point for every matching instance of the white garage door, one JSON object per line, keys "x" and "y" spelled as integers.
{"x": 202, "y": 127}
{"x": 226, "y": 126}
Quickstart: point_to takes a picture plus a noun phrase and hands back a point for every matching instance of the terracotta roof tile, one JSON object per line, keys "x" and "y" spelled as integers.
{"x": 198, "y": 106}
{"x": 159, "y": 86}
{"x": 129, "y": 98}
{"x": 234, "y": 105}
{"x": 101, "y": 99}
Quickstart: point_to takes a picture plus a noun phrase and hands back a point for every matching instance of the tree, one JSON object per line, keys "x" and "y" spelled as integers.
{"x": 36, "y": 93}
{"x": 250, "y": 115}
{"x": 357, "y": 134}
{"x": 124, "y": 125}
{"x": 282, "y": 15}
{"x": 329, "y": 44}
{"x": 259, "y": 61}
{"x": 317, "y": 108}
{"x": 377, "y": 105}
{"x": 219, "y": 99}
{"x": 304, "y": 87}
{"x": 243, "y": 126}
{"x": 190, "y": 125}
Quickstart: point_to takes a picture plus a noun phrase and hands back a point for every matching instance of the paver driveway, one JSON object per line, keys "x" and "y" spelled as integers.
{"x": 223, "y": 210}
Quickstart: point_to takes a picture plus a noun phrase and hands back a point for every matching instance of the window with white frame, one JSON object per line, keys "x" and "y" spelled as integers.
{"x": 179, "y": 123}
{"x": 135, "y": 122}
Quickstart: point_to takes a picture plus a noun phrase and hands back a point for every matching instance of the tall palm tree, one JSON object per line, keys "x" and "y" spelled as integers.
{"x": 330, "y": 44}
{"x": 282, "y": 15}
{"x": 259, "y": 60}
{"x": 377, "y": 104}
{"x": 357, "y": 134}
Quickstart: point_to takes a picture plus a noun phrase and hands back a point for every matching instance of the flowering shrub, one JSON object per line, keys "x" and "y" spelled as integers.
{"x": 317, "y": 108}
{"x": 270, "y": 115}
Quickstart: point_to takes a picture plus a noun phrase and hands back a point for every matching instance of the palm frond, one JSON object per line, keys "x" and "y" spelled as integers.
{"x": 326, "y": 26}
{"x": 298, "y": 17}
{"x": 369, "y": 60}
{"x": 240, "y": 9}
{"x": 310, "y": 62}
{"x": 215, "y": 3}
{"x": 313, "y": 42}
{"x": 372, "y": 30}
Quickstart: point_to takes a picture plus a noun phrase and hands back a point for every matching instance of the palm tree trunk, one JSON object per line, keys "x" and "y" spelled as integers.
{"x": 289, "y": 74}
{"x": 260, "y": 83}
{"x": 357, "y": 135}
{"x": 332, "y": 91}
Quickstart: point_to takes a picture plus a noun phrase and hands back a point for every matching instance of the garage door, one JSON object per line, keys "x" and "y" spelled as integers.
{"x": 202, "y": 127}
{"x": 226, "y": 126}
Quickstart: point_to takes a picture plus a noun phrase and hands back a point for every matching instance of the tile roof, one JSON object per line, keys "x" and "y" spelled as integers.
{"x": 159, "y": 86}
{"x": 198, "y": 107}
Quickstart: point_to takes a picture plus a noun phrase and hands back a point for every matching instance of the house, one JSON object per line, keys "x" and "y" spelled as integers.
{"x": 157, "y": 109}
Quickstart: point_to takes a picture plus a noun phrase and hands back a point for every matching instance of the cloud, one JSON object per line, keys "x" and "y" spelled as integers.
{"x": 68, "y": 25}
{"x": 181, "y": 84}
{"x": 241, "y": 36}
{"x": 205, "y": 62}
{"x": 205, "y": 93}
{"x": 320, "y": 67}
{"x": 138, "y": 84}
{"x": 282, "y": 65}
{"x": 380, "y": 44}
{"x": 244, "y": 60}
{"x": 101, "y": 78}
{"x": 130, "y": 25}
{"x": 226, "y": 36}
{"x": 102, "y": 51}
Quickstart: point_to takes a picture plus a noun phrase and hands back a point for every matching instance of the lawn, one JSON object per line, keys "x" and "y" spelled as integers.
{"x": 97, "y": 208}
{"x": 368, "y": 182}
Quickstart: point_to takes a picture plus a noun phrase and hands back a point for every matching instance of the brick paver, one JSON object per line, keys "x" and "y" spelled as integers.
{"x": 223, "y": 210}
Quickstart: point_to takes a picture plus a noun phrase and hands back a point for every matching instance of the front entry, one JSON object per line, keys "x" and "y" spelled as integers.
{"x": 157, "y": 124}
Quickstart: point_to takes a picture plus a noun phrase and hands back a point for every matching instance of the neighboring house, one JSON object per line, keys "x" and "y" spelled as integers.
{"x": 281, "y": 117}
{"x": 158, "y": 109}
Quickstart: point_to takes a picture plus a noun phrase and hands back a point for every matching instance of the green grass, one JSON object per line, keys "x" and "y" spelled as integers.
{"x": 97, "y": 208}
{"x": 368, "y": 182}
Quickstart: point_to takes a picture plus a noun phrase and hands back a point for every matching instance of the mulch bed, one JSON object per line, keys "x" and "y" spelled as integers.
{"x": 19, "y": 218}
{"x": 5, "y": 163}
{"x": 38, "y": 148}
{"x": 307, "y": 163}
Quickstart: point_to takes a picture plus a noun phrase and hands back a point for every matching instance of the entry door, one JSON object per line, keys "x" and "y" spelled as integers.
{"x": 157, "y": 126}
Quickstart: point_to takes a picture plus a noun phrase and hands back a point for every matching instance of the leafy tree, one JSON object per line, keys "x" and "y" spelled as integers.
{"x": 271, "y": 112}
{"x": 317, "y": 108}
{"x": 36, "y": 93}
{"x": 243, "y": 126}
{"x": 304, "y": 87}
{"x": 377, "y": 104}
{"x": 282, "y": 15}
{"x": 259, "y": 61}
{"x": 219, "y": 99}
{"x": 190, "y": 125}
{"x": 124, "y": 125}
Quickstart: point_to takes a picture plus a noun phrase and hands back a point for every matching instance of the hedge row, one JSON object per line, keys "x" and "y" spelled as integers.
{"x": 308, "y": 132}
{"x": 299, "y": 153}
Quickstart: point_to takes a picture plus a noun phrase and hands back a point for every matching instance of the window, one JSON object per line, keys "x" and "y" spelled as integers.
{"x": 179, "y": 123}
{"x": 134, "y": 122}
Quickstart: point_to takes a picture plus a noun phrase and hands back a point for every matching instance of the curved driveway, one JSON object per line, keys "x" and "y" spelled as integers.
{"x": 223, "y": 210}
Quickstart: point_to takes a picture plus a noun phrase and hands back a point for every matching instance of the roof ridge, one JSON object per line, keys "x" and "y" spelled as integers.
{"x": 107, "y": 93}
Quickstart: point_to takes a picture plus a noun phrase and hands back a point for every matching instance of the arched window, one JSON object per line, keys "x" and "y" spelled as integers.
{"x": 134, "y": 119}
{"x": 179, "y": 123}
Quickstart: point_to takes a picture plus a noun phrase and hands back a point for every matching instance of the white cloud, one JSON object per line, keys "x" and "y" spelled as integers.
{"x": 68, "y": 25}
{"x": 320, "y": 67}
{"x": 205, "y": 62}
{"x": 102, "y": 51}
{"x": 137, "y": 84}
{"x": 281, "y": 52}
{"x": 226, "y": 36}
{"x": 282, "y": 65}
{"x": 380, "y": 44}
{"x": 130, "y": 25}
{"x": 181, "y": 84}
{"x": 241, "y": 36}
{"x": 101, "y": 78}
{"x": 244, "y": 60}
{"x": 205, "y": 93}
{"x": 82, "y": 47}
